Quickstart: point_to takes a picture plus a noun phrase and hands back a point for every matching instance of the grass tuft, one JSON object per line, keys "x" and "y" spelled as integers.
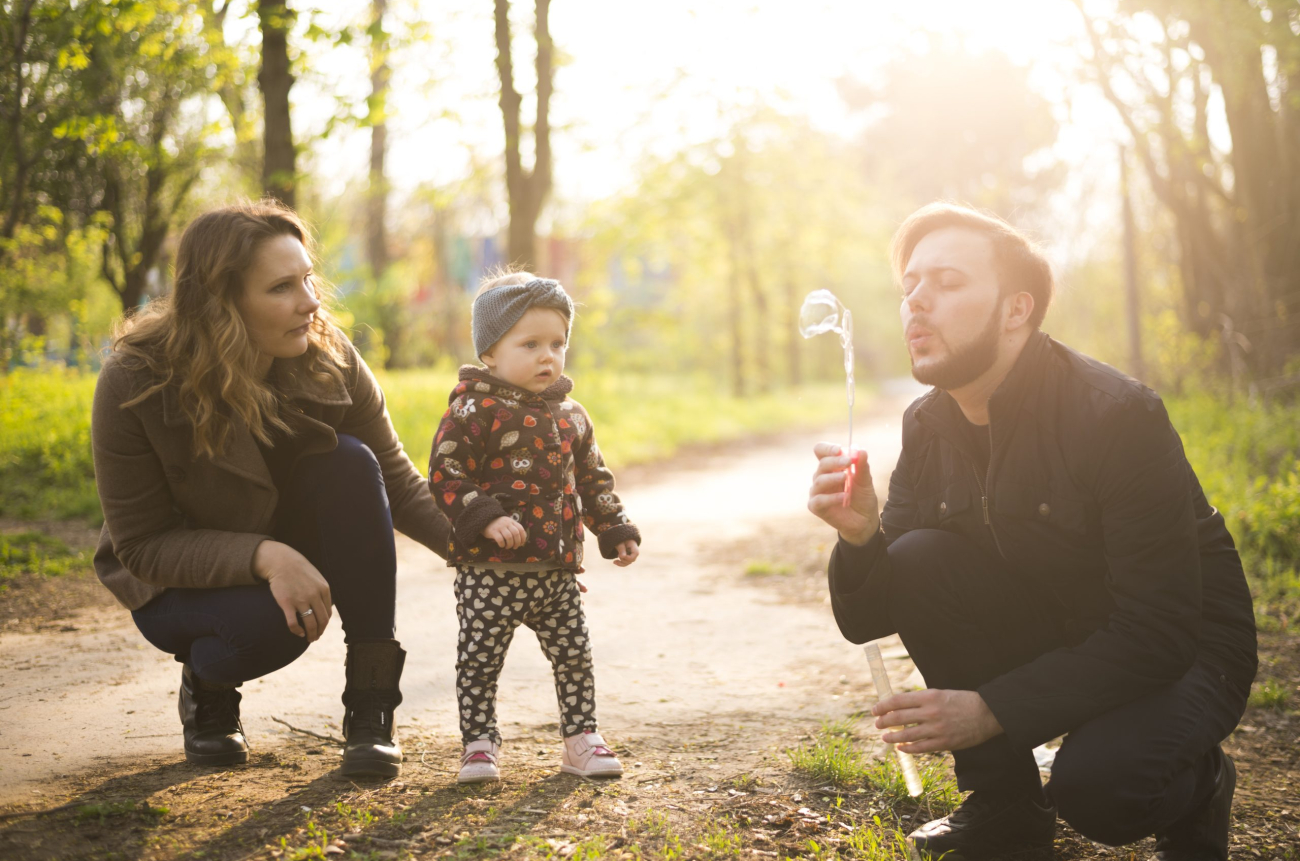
{"x": 1269, "y": 694}
{"x": 833, "y": 756}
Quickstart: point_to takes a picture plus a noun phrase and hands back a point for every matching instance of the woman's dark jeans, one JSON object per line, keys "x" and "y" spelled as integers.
{"x": 334, "y": 511}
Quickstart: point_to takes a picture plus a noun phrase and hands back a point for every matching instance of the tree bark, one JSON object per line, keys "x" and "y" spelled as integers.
{"x": 1134, "y": 304}
{"x": 17, "y": 190}
{"x": 279, "y": 171}
{"x": 527, "y": 190}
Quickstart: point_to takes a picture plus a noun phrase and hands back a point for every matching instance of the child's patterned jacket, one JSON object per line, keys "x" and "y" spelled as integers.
{"x": 504, "y": 451}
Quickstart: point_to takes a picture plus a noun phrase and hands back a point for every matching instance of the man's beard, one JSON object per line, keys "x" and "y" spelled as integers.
{"x": 966, "y": 363}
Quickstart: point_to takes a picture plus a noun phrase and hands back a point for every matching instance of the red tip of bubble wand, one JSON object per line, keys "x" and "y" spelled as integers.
{"x": 848, "y": 476}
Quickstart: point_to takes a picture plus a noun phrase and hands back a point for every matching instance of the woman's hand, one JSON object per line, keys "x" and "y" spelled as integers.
{"x": 296, "y": 586}
{"x": 857, "y": 521}
{"x": 506, "y": 532}
{"x": 627, "y": 553}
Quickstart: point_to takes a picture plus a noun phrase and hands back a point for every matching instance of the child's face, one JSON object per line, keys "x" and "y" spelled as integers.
{"x": 531, "y": 354}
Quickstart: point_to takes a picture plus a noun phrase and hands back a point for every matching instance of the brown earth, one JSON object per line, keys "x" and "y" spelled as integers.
{"x": 716, "y": 655}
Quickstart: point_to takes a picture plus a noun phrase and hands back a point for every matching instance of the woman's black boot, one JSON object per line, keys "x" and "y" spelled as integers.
{"x": 210, "y": 716}
{"x": 374, "y": 669}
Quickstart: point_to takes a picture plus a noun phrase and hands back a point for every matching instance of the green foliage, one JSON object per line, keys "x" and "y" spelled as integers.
{"x": 873, "y": 841}
{"x": 46, "y": 467}
{"x": 37, "y": 553}
{"x": 638, "y": 417}
{"x": 765, "y": 568}
{"x": 1245, "y": 455}
{"x": 834, "y": 756}
{"x": 1269, "y": 694}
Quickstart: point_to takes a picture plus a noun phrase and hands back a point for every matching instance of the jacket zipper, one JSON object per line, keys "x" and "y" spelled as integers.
{"x": 984, "y": 497}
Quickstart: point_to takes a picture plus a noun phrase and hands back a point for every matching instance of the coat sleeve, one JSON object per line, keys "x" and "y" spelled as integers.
{"x": 459, "y": 448}
{"x": 859, "y": 576}
{"x": 602, "y": 510}
{"x": 1149, "y": 531}
{"x": 144, "y": 523}
{"x": 414, "y": 512}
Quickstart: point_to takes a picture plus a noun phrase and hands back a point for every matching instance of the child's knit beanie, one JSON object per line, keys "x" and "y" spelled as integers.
{"x": 498, "y": 309}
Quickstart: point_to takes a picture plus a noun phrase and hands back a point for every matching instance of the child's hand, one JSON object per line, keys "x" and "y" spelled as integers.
{"x": 506, "y": 532}
{"x": 627, "y": 553}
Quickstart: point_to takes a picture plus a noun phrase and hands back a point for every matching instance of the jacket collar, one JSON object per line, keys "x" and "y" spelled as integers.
{"x": 1017, "y": 391}
{"x": 292, "y": 379}
{"x": 242, "y": 455}
{"x": 476, "y": 378}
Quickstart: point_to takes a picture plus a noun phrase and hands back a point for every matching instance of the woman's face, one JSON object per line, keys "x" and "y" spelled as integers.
{"x": 278, "y": 302}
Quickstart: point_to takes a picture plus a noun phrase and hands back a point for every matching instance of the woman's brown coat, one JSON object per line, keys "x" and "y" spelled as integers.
{"x": 172, "y": 519}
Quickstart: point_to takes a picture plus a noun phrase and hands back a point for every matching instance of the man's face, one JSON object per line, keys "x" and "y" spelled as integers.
{"x": 952, "y": 308}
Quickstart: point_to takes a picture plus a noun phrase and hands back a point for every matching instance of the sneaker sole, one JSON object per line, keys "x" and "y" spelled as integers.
{"x": 570, "y": 769}
{"x": 217, "y": 759}
{"x": 490, "y": 778}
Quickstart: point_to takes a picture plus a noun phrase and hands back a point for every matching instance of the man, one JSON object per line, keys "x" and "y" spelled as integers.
{"x": 1051, "y": 564}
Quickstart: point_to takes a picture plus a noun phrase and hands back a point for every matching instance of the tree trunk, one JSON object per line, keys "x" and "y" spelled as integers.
{"x": 1130, "y": 273}
{"x": 17, "y": 189}
{"x": 279, "y": 172}
{"x": 377, "y": 196}
{"x": 793, "y": 345}
{"x": 527, "y": 190}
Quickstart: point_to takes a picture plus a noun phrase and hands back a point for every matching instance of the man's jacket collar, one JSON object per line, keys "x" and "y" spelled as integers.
{"x": 1019, "y": 390}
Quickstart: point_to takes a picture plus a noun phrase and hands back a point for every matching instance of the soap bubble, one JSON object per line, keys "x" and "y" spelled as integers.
{"x": 820, "y": 314}
{"x": 823, "y": 312}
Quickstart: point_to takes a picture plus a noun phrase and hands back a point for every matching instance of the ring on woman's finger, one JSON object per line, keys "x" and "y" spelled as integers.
{"x": 305, "y": 613}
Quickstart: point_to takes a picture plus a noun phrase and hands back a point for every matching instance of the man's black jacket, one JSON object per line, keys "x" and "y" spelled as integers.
{"x": 1090, "y": 502}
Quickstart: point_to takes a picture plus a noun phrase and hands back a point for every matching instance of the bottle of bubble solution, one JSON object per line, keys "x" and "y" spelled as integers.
{"x": 883, "y": 690}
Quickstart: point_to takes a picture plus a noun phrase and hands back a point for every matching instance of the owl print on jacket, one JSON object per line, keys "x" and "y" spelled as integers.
{"x": 504, "y": 452}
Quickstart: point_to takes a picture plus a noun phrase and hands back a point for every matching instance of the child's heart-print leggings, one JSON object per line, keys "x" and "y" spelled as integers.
{"x": 490, "y": 606}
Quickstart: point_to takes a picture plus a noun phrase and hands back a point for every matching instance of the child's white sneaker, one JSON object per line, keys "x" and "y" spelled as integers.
{"x": 478, "y": 764}
{"x": 586, "y": 755}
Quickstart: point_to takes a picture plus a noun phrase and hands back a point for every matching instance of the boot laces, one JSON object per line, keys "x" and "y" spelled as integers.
{"x": 371, "y": 718}
{"x": 218, "y": 709}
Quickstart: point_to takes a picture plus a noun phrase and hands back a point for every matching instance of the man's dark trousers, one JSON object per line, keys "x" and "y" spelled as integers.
{"x": 1122, "y": 776}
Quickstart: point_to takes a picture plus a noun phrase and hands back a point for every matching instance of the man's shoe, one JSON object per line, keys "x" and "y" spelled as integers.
{"x": 210, "y": 719}
{"x": 990, "y": 824}
{"x": 374, "y": 669}
{"x": 1202, "y": 835}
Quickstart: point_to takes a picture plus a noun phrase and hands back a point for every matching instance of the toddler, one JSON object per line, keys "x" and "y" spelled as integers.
{"x": 516, "y": 469}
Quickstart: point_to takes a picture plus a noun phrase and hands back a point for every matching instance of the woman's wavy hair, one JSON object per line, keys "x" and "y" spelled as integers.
{"x": 195, "y": 339}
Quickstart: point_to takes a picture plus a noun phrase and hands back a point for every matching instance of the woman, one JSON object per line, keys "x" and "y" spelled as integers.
{"x": 250, "y": 480}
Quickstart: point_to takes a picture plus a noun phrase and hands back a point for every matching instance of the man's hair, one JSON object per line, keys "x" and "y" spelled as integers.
{"x": 1021, "y": 264}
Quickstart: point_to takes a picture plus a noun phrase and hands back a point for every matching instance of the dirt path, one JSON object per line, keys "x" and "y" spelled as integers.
{"x": 682, "y": 638}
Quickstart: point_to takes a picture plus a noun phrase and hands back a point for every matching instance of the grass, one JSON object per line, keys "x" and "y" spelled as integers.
{"x": 47, "y": 471}
{"x": 638, "y": 417}
{"x": 766, "y": 568}
{"x": 1247, "y": 458}
{"x": 1269, "y": 694}
{"x": 37, "y": 553}
{"x": 834, "y": 756}
{"x": 46, "y": 468}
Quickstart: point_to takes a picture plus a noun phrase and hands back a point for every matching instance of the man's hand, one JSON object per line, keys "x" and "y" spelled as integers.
{"x": 943, "y": 720}
{"x": 506, "y": 532}
{"x": 627, "y": 553}
{"x": 857, "y": 521}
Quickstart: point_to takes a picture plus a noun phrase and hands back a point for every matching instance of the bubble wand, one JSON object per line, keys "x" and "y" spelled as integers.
{"x": 823, "y": 312}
